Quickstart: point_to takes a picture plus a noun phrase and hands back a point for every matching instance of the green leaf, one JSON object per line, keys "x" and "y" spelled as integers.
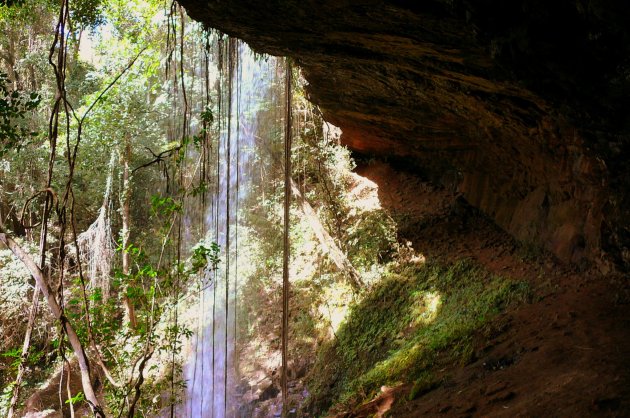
{"x": 79, "y": 397}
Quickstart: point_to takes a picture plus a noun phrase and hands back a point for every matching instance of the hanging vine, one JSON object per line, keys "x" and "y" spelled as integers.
{"x": 286, "y": 243}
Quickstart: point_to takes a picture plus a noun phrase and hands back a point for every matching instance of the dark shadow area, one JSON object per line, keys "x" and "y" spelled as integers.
{"x": 559, "y": 354}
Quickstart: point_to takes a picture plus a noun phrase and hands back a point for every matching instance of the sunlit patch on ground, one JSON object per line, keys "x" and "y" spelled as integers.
{"x": 363, "y": 195}
{"x": 335, "y": 304}
{"x": 425, "y": 309}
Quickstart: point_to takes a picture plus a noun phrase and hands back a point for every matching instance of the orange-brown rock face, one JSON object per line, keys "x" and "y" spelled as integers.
{"x": 522, "y": 105}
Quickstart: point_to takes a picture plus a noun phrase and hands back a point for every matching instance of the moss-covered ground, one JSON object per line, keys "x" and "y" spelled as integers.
{"x": 418, "y": 317}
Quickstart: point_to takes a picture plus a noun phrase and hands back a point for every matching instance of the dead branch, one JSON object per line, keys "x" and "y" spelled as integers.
{"x": 159, "y": 158}
{"x": 327, "y": 243}
{"x": 139, "y": 382}
{"x": 48, "y": 190}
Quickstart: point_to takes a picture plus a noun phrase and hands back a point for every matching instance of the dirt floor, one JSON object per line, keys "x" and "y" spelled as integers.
{"x": 565, "y": 354}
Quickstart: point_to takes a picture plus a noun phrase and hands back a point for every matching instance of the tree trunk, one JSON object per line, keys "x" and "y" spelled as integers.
{"x": 326, "y": 241}
{"x": 25, "y": 348}
{"x": 126, "y": 218}
{"x": 11, "y": 62}
{"x": 73, "y": 338}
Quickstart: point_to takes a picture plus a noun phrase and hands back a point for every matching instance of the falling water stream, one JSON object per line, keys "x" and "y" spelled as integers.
{"x": 247, "y": 85}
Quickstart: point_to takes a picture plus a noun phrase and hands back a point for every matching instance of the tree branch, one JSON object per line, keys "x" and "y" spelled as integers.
{"x": 111, "y": 84}
{"x": 158, "y": 157}
{"x": 73, "y": 338}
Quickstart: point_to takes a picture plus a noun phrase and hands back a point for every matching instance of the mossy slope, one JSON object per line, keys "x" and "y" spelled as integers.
{"x": 418, "y": 316}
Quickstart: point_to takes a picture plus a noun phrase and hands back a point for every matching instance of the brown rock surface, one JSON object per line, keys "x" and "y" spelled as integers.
{"x": 561, "y": 354}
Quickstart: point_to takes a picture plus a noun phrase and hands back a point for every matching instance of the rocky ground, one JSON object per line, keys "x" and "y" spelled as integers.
{"x": 565, "y": 354}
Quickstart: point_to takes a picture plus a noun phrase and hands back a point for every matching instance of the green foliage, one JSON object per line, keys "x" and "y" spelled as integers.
{"x": 87, "y": 13}
{"x": 204, "y": 255}
{"x": 15, "y": 290}
{"x": 14, "y": 106}
{"x": 14, "y": 281}
{"x": 326, "y": 166}
{"x": 76, "y": 399}
{"x": 414, "y": 316}
{"x": 5, "y": 398}
{"x": 103, "y": 315}
{"x": 371, "y": 238}
{"x": 207, "y": 116}
{"x": 199, "y": 189}
{"x": 15, "y": 355}
{"x": 139, "y": 111}
{"x": 82, "y": 81}
{"x": 164, "y": 206}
